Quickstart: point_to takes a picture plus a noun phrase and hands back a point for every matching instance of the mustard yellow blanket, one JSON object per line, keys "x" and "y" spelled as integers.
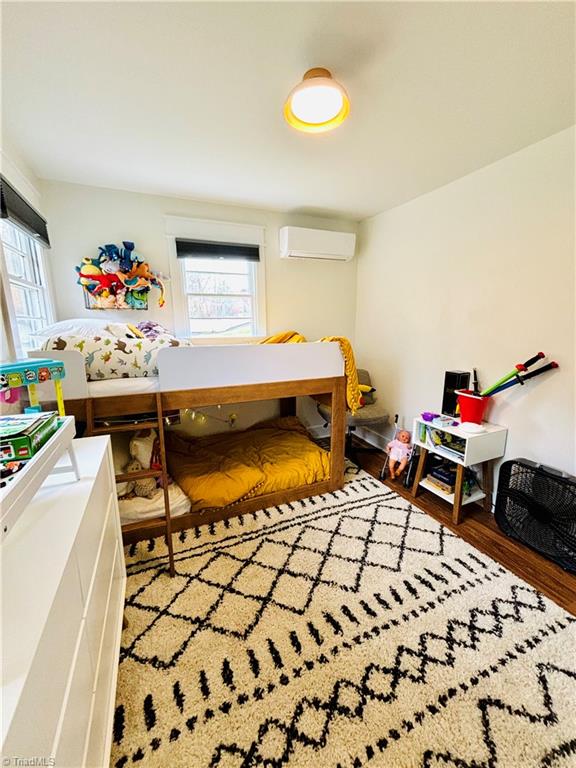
{"x": 219, "y": 470}
{"x": 353, "y": 393}
{"x": 286, "y": 337}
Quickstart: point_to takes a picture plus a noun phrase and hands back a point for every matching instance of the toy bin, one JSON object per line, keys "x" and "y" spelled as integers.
{"x": 472, "y": 407}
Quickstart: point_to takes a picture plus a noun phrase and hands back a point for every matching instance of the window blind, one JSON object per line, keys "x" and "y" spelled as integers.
{"x": 15, "y": 208}
{"x": 208, "y": 249}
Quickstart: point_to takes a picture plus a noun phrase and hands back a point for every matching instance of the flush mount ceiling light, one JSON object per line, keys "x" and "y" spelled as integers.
{"x": 318, "y": 103}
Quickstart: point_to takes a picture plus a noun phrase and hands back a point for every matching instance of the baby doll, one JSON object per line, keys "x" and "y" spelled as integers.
{"x": 399, "y": 450}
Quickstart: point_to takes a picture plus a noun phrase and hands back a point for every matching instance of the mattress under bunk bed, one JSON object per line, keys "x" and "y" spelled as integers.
{"x": 193, "y": 377}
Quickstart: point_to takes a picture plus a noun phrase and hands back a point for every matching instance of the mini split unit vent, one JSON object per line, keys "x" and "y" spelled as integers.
{"x": 300, "y": 243}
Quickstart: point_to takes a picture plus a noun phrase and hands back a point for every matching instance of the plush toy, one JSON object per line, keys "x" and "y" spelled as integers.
{"x": 109, "y": 266}
{"x": 145, "y": 487}
{"x": 367, "y": 396}
{"x": 109, "y": 251}
{"x": 127, "y": 256}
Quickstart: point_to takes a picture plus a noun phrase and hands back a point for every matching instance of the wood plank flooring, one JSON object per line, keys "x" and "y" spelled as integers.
{"x": 479, "y": 529}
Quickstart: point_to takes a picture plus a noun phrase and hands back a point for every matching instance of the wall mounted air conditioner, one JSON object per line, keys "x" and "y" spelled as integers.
{"x": 301, "y": 243}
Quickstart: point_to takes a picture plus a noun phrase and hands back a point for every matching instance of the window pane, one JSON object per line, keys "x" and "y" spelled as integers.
{"x": 28, "y": 330}
{"x": 36, "y": 276}
{"x": 221, "y": 328}
{"x": 16, "y": 264}
{"x": 19, "y": 299}
{"x": 228, "y": 266}
{"x": 22, "y": 240}
{"x": 220, "y": 296}
{"x": 34, "y": 305}
{"x": 28, "y": 302}
{"x": 222, "y": 307}
{"x": 8, "y": 233}
{"x": 214, "y": 282}
{"x": 23, "y": 262}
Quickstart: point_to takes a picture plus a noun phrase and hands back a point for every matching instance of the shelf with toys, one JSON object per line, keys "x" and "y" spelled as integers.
{"x": 475, "y": 495}
{"x": 469, "y": 441}
{"x": 463, "y": 446}
{"x": 455, "y": 442}
{"x": 31, "y": 443}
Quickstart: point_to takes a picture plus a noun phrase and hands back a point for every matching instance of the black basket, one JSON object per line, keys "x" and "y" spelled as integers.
{"x": 537, "y": 506}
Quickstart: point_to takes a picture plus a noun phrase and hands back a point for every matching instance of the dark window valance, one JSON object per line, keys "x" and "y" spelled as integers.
{"x": 15, "y": 208}
{"x": 207, "y": 249}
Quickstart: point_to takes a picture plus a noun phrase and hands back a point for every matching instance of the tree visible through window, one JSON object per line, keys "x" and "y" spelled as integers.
{"x": 27, "y": 284}
{"x": 220, "y": 296}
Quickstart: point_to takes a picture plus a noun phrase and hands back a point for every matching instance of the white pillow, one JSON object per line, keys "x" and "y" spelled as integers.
{"x": 76, "y": 326}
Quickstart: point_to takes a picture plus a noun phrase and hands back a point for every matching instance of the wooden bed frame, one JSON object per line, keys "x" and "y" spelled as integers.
{"x": 204, "y": 365}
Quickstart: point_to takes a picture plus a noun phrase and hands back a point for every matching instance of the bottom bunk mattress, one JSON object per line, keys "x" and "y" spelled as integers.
{"x": 134, "y": 509}
{"x": 220, "y": 470}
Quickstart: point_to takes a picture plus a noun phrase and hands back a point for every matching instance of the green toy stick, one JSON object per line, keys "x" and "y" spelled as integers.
{"x": 503, "y": 380}
{"x": 517, "y": 369}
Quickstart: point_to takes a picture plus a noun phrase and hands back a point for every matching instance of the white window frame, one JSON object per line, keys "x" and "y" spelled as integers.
{"x": 14, "y": 344}
{"x": 220, "y": 232}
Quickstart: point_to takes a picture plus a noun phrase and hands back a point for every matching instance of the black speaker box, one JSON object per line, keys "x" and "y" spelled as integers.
{"x": 453, "y": 380}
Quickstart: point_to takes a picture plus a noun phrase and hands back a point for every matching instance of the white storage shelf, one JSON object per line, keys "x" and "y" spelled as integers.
{"x": 480, "y": 446}
{"x": 476, "y": 495}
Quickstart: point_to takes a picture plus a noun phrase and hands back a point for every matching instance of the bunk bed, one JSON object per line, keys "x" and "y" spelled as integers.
{"x": 193, "y": 377}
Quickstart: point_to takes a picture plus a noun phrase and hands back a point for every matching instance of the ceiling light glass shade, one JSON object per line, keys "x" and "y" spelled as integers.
{"x": 317, "y": 104}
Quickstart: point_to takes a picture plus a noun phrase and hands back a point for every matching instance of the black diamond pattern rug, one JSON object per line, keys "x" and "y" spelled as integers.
{"x": 348, "y": 629}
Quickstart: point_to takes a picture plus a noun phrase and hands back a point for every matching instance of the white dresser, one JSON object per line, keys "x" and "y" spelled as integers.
{"x": 63, "y": 584}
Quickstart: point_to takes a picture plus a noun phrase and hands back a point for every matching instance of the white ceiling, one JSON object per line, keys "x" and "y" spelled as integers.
{"x": 186, "y": 98}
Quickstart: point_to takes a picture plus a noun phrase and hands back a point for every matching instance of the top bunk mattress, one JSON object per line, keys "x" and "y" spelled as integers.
{"x": 114, "y": 387}
{"x": 192, "y": 367}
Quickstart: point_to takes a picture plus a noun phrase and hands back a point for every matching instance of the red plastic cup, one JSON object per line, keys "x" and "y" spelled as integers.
{"x": 472, "y": 407}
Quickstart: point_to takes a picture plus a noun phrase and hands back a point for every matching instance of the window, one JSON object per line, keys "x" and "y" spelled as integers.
{"x": 221, "y": 296}
{"x": 26, "y": 278}
{"x": 218, "y": 279}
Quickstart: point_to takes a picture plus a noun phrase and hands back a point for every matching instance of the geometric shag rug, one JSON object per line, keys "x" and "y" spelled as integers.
{"x": 348, "y": 629}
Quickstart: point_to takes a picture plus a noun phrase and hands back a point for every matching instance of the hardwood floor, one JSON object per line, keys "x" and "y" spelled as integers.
{"x": 479, "y": 529}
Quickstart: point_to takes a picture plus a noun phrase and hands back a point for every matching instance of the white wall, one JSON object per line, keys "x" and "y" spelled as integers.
{"x": 479, "y": 273}
{"x": 316, "y": 298}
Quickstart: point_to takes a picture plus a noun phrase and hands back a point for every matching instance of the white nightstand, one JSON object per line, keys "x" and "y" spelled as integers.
{"x": 472, "y": 448}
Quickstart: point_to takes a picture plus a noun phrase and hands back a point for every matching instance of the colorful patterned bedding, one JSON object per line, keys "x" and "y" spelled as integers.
{"x": 110, "y": 357}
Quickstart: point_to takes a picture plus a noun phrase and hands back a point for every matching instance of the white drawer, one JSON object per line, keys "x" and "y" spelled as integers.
{"x": 69, "y": 750}
{"x": 98, "y": 752}
{"x": 43, "y": 695}
{"x": 95, "y": 610}
{"x": 90, "y": 532}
